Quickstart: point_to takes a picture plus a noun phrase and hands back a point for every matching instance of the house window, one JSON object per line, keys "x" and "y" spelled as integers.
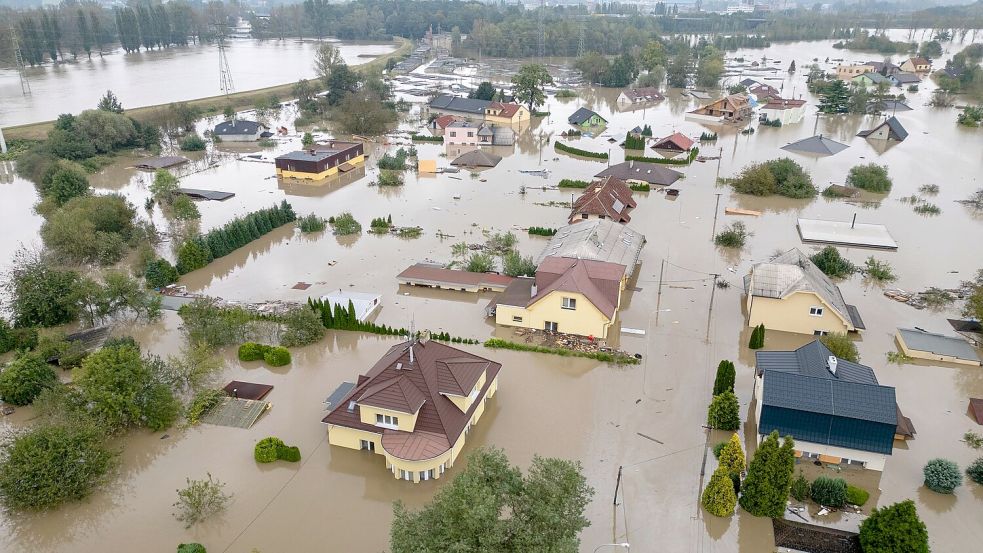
{"x": 387, "y": 420}
{"x": 367, "y": 445}
{"x": 470, "y": 134}
{"x": 516, "y": 319}
{"x": 819, "y": 333}
{"x": 453, "y": 133}
{"x": 583, "y": 215}
{"x": 550, "y": 326}
{"x": 569, "y": 303}
{"x": 816, "y": 311}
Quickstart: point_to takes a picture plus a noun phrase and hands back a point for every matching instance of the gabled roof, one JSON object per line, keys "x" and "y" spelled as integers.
{"x": 681, "y": 141}
{"x": 443, "y": 121}
{"x": 598, "y": 240}
{"x": 456, "y": 103}
{"x": 818, "y": 145}
{"x": 598, "y": 281}
{"x": 875, "y": 78}
{"x": 485, "y": 131}
{"x": 645, "y": 94}
{"x": 763, "y": 90}
{"x": 794, "y": 272}
{"x": 436, "y": 369}
{"x": 652, "y": 173}
{"x": 782, "y": 103}
{"x": 581, "y": 115}
{"x": 888, "y": 105}
{"x": 896, "y": 130}
{"x": 238, "y": 126}
{"x": 904, "y": 77}
{"x": 919, "y": 61}
{"x": 748, "y": 82}
{"x": 610, "y": 197}
{"x": 477, "y": 158}
{"x": 812, "y": 360}
{"x": 463, "y": 125}
{"x": 506, "y": 110}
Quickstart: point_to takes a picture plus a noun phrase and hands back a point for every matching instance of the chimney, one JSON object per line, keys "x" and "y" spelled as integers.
{"x": 631, "y": 163}
{"x": 831, "y": 364}
{"x": 424, "y": 337}
{"x": 533, "y": 290}
{"x": 411, "y": 354}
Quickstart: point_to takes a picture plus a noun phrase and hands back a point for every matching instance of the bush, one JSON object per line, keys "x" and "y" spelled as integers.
{"x": 570, "y": 183}
{"x": 975, "y": 471}
{"x": 732, "y": 457}
{"x": 894, "y": 528}
{"x": 389, "y": 178}
{"x": 880, "y": 271}
{"x": 841, "y": 345}
{"x": 542, "y": 231}
{"x": 191, "y": 548}
{"x": 394, "y": 162}
{"x": 734, "y": 235}
{"x": 832, "y": 263}
{"x": 719, "y": 498}
{"x": 480, "y": 263}
{"x": 633, "y": 142}
{"x": 619, "y": 359}
{"x": 91, "y": 229}
{"x": 800, "y": 488}
{"x": 718, "y": 448}
{"x": 724, "y": 412}
{"x": 160, "y": 273}
{"x": 193, "y": 143}
{"x": 251, "y": 351}
{"x": 757, "y": 340}
{"x": 51, "y": 464}
{"x": 290, "y": 454}
{"x": 578, "y": 152}
{"x": 303, "y": 327}
{"x": 277, "y": 356}
{"x": 185, "y": 209}
{"x": 514, "y": 265}
{"x": 724, "y": 381}
{"x": 199, "y": 500}
{"x": 942, "y": 476}
{"x": 312, "y": 223}
{"x": 827, "y": 491}
{"x": 266, "y": 449}
{"x": 202, "y": 403}
{"x": 778, "y": 176}
{"x": 870, "y": 177}
{"x": 345, "y": 224}
{"x": 640, "y": 187}
{"x": 65, "y": 182}
{"x": 24, "y": 378}
{"x": 856, "y": 496}
{"x": 201, "y": 250}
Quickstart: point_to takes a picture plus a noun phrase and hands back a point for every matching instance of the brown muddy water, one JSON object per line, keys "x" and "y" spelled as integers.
{"x": 646, "y": 419}
{"x": 163, "y": 76}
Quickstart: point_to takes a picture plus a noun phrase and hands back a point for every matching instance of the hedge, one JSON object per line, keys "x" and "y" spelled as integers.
{"x": 251, "y": 351}
{"x": 542, "y": 231}
{"x": 665, "y": 161}
{"x": 427, "y": 138}
{"x": 203, "y": 249}
{"x": 640, "y": 187}
{"x": 340, "y": 318}
{"x": 618, "y": 359}
{"x": 571, "y": 183}
{"x": 274, "y": 356}
{"x": 578, "y": 152}
{"x": 271, "y": 449}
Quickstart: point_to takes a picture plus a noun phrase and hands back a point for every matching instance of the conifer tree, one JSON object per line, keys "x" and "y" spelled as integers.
{"x": 724, "y": 382}
{"x": 732, "y": 456}
{"x": 765, "y": 490}
{"x": 719, "y": 498}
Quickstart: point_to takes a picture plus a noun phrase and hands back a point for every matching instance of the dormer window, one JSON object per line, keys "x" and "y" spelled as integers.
{"x": 387, "y": 421}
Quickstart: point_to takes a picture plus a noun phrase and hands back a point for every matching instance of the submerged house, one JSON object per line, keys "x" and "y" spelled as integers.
{"x": 903, "y": 78}
{"x": 889, "y": 129}
{"x": 930, "y": 346}
{"x": 675, "y": 142}
{"x": 848, "y": 72}
{"x": 414, "y": 407}
{"x": 631, "y": 96}
{"x": 916, "y": 65}
{"x": 239, "y": 130}
{"x": 462, "y": 132}
{"x": 472, "y": 109}
{"x": 609, "y": 198}
{"x": 641, "y": 172}
{"x": 781, "y": 109}
{"x": 735, "y": 107}
{"x": 871, "y": 79}
{"x": 791, "y": 294}
{"x": 320, "y": 161}
{"x": 835, "y": 409}
{"x": 584, "y": 117}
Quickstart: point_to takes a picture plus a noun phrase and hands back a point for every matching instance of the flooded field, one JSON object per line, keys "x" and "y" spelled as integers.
{"x": 646, "y": 418}
{"x": 159, "y": 77}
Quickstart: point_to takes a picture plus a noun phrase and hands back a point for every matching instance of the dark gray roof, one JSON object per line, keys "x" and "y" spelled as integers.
{"x": 216, "y": 195}
{"x": 888, "y": 105}
{"x": 456, "y": 103}
{"x": 652, "y": 173}
{"x": 819, "y": 145}
{"x": 938, "y": 344}
{"x": 897, "y": 131}
{"x": 306, "y": 155}
{"x": 477, "y": 158}
{"x": 801, "y": 397}
{"x": 237, "y": 127}
{"x": 904, "y": 77}
{"x": 581, "y": 115}
{"x": 340, "y": 392}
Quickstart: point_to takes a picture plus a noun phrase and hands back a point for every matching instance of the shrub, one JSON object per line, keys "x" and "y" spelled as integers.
{"x": 856, "y": 496}
{"x": 160, "y": 273}
{"x": 185, "y": 209}
{"x": 290, "y": 454}
{"x": 390, "y": 178}
{"x": 640, "y": 187}
{"x": 832, "y": 263}
{"x": 734, "y": 235}
{"x": 841, "y": 345}
{"x": 870, "y": 177}
{"x": 827, "y": 491}
{"x": 927, "y": 209}
{"x": 277, "y": 356}
{"x": 303, "y": 327}
{"x": 880, "y": 271}
{"x": 942, "y": 476}
{"x": 394, "y": 162}
{"x": 345, "y": 224}
{"x": 732, "y": 457}
{"x": 975, "y": 471}
{"x": 973, "y": 440}
{"x": 769, "y": 480}
{"x": 51, "y": 464}
{"x": 633, "y": 142}
{"x": 718, "y": 448}
{"x": 724, "y": 412}
{"x": 266, "y": 449}
{"x": 191, "y": 548}
{"x": 724, "y": 381}
{"x": 542, "y": 231}
{"x": 514, "y": 265}
{"x": 757, "y": 340}
{"x": 719, "y": 498}
{"x": 24, "y": 378}
{"x": 800, "y": 488}
{"x": 578, "y": 152}
{"x": 201, "y": 250}
{"x": 251, "y": 351}
{"x": 199, "y": 500}
{"x": 480, "y": 263}
{"x": 570, "y": 183}
{"x": 894, "y": 528}
{"x": 193, "y": 143}
{"x": 778, "y": 176}
{"x": 312, "y": 223}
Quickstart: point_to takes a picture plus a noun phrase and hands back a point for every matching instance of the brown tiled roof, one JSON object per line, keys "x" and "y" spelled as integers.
{"x": 438, "y": 416}
{"x": 434, "y": 273}
{"x": 652, "y": 173}
{"x": 650, "y": 94}
{"x": 598, "y": 281}
{"x": 395, "y": 394}
{"x": 782, "y": 103}
{"x": 976, "y": 409}
{"x": 682, "y": 141}
{"x": 508, "y": 110}
{"x": 247, "y": 390}
{"x": 905, "y": 427}
{"x": 609, "y": 197}
{"x": 444, "y": 120}
{"x": 919, "y": 61}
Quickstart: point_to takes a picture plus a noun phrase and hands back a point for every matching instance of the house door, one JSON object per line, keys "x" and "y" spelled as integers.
{"x": 550, "y": 326}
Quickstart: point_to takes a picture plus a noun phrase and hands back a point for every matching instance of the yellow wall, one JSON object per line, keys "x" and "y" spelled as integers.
{"x": 929, "y": 356}
{"x": 283, "y": 173}
{"x": 586, "y": 320}
{"x": 792, "y": 314}
{"x": 520, "y": 116}
{"x": 407, "y": 422}
{"x": 463, "y": 402}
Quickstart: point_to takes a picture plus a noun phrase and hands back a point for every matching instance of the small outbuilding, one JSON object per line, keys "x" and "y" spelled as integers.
{"x": 239, "y": 130}
{"x": 817, "y": 145}
{"x": 365, "y": 304}
{"x": 890, "y": 129}
{"x": 930, "y": 346}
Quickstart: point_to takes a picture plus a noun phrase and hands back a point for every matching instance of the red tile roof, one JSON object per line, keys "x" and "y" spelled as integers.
{"x": 609, "y": 197}
{"x": 437, "y": 369}
{"x": 782, "y": 103}
{"x": 598, "y": 281}
{"x": 444, "y": 120}
{"x": 507, "y": 110}
{"x": 681, "y": 141}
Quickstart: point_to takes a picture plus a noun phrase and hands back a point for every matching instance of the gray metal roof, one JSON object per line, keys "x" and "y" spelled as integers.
{"x": 938, "y": 344}
{"x": 477, "y": 158}
{"x": 238, "y": 127}
{"x": 305, "y": 155}
{"x": 581, "y": 115}
{"x": 897, "y": 131}
{"x": 851, "y": 400}
{"x": 818, "y": 144}
{"x": 794, "y": 272}
{"x": 340, "y": 392}
{"x": 652, "y": 173}
{"x": 456, "y": 103}
{"x": 903, "y": 77}
{"x": 811, "y": 360}
{"x": 599, "y": 240}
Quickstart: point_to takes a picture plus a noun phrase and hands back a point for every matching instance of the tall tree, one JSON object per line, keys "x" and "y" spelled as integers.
{"x": 894, "y": 528}
{"x": 528, "y": 84}
{"x": 724, "y": 381}
{"x": 765, "y": 490}
{"x": 85, "y": 34}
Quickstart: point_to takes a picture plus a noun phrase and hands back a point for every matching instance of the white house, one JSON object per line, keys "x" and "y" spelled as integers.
{"x": 239, "y": 130}
{"x": 786, "y": 111}
{"x": 462, "y": 132}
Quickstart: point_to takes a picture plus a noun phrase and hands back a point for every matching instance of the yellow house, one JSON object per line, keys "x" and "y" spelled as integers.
{"x": 916, "y": 65}
{"x": 930, "y": 346}
{"x": 791, "y": 294}
{"x": 506, "y": 114}
{"x": 321, "y": 161}
{"x": 573, "y": 296}
{"x": 847, "y": 72}
{"x": 414, "y": 407}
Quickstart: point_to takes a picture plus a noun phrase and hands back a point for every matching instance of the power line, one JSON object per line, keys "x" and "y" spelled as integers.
{"x": 25, "y": 86}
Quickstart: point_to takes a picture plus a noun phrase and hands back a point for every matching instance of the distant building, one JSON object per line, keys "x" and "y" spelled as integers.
{"x": 835, "y": 409}
{"x": 791, "y": 294}
{"x": 885, "y": 68}
{"x": 786, "y": 111}
{"x": 871, "y": 79}
{"x": 936, "y": 347}
{"x": 889, "y": 129}
{"x": 320, "y": 161}
{"x": 848, "y": 72}
{"x": 608, "y": 198}
{"x": 916, "y": 65}
{"x": 440, "y": 123}
{"x": 461, "y": 132}
{"x": 763, "y": 92}
{"x": 506, "y": 114}
{"x": 735, "y": 107}
{"x": 414, "y": 407}
{"x": 640, "y": 172}
{"x": 239, "y": 130}
{"x": 364, "y": 304}
{"x": 584, "y": 117}
{"x": 479, "y": 110}
{"x": 430, "y": 275}
{"x": 903, "y": 78}
{"x": 640, "y": 96}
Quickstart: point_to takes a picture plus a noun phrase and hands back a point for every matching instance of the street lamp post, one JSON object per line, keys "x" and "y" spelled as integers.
{"x": 625, "y": 545}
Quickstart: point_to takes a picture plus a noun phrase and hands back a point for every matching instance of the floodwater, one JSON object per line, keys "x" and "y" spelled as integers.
{"x": 163, "y": 76}
{"x": 646, "y": 418}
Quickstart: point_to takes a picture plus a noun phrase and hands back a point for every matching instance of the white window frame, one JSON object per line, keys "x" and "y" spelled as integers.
{"x": 816, "y": 311}
{"x": 387, "y": 421}
{"x": 473, "y": 395}
{"x": 516, "y": 319}
{"x": 570, "y": 303}
{"x": 551, "y": 326}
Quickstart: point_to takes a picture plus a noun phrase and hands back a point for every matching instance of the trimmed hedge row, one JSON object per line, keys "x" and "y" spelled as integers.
{"x": 689, "y": 159}
{"x": 571, "y": 183}
{"x": 202, "y": 249}
{"x": 272, "y": 449}
{"x": 427, "y": 138}
{"x": 618, "y": 359}
{"x": 641, "y": 187}
{"x": 578, "y": 152}
{"x": 542, "y": 231}
{"x": 274, "y": 356}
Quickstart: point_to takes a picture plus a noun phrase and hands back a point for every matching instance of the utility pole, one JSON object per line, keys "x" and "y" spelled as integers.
{"x": 224, "y": 71}
{"x": 713, "y": 290}
{"x": 716, "y": 210}
{"x": 658, "y": 301}
{"x": 3, "y": 143}
{"x": 542, "y": 30}
{"x": 617, "y": 485}
{"x": 25, "y": 86}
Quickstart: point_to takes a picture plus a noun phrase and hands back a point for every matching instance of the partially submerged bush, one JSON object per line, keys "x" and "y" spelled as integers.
{"x": 870, "y": 177}
{"x": 778, "y": 176}
{"x": 942, "y": 476}
{"x": 271, "y": 449}
{"x": 856, "y": 496}
{"x": 832, "y": 263}
{"x": 200, "y": 500}
{"x": 800, "y": 488}
{"x": 202, "y": 404}
{"x": 345, "y": 224}
{"x": 894, "y": 528}
{"x": 251, "y": 351}
{"x": 719, "y": 498}
{"x": 733, "y": 236}
{"x": 277, "y": 356}
{"x": 312, "y": 223}
{"x": 880, "y": 271}
{"x": 24, "y": 378}
{"x": 160, "y": 273}
{"x": 724, "y": 412}
{"x": 193, "y": 143}
{"x": 718, "y": 448}
{"x": 975, "y": 471}
{"x": 830, "y": 492}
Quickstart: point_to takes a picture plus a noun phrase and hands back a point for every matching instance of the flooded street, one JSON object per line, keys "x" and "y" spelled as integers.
{"x": 150, "y": 78}
{"x": 646, "y": 418}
